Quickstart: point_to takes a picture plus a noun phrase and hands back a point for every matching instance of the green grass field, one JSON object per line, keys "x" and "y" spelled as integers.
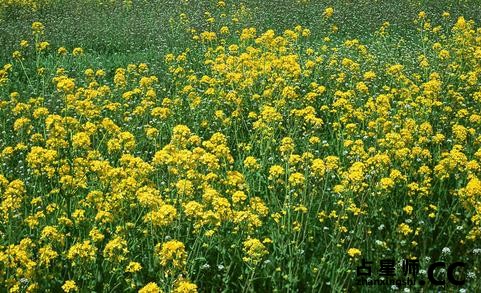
{"x": 244, "y": 146}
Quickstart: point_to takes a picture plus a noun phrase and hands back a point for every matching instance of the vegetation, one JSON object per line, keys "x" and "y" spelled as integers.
{"x": 184, "y": 146}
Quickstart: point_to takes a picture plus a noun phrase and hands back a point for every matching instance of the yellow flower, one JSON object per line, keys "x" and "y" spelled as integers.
{"x": 172, "y": 253}
{"x": 116, "y": 249}
{"x": 386, "y": 183}
{"x": 65, "y": 84}
{"x": 318, "y": 167}
{"x": 224, "y": 30}
{"x": 248, "y": 33}
{"x": 150, "y": 288}
{"x": 24, "y": 43}
{"x": 164, "y": 216}
{"x": 47, "y": 255}
{"x": 254, "y": 251}
{"x": 42, "y": 46}
{"x": 408, "y": 209}
{"x": 208, "y": 36}
{"x": 404, "y": 229}
{"x": 354, "y": 252}
{"x": 69, "y": 286}
{"x": 296, "y": 179}
{"x": 460, "y": 132}
{"x": 287, "y": 145}
{"x": 82, "y": 251}
{"x": 184, "y": 187}
{"x": 133, "y": 267}
{"x": 184, "y": 286}
{"x": 51, "y": 234}
{"x": 100, "y": 73}
{"x": 473, "y": 188}
{"x": 275, "y": 172}
{"x": 62, "y": 51}
{"x": 77, "y": 51}
{"x": 328, "y": 12}
{"x": 96, "y": 235}
{"x": 81, "y": 140}
{"x": 238, "y": 196}
{"x": 37, "y": 27}
{"x": 251, "y": 163}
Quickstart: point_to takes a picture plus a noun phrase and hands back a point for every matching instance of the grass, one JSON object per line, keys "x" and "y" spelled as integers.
{"x": 152, "y": 26}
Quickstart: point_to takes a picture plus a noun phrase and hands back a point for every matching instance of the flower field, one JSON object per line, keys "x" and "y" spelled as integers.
{"x": 237, "y": 149}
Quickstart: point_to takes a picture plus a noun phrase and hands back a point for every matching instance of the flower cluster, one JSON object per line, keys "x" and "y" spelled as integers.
{"x": 253, "y": 158}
